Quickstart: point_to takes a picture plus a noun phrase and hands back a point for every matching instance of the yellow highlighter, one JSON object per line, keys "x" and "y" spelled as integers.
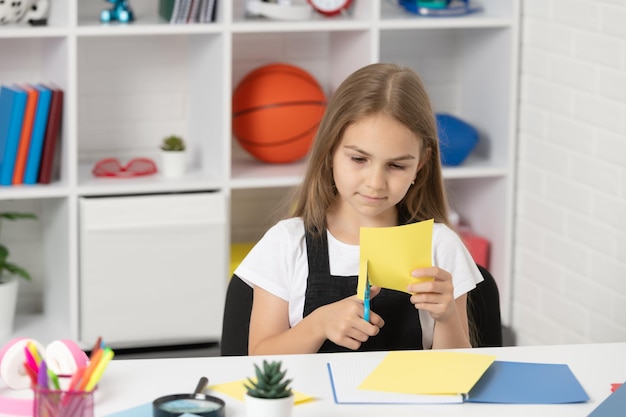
{"x": 107, "y": 355}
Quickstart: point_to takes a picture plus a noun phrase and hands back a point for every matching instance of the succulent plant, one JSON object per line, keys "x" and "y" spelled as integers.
{"x": 173, "y": 143}
{"x": 270, "y": 381}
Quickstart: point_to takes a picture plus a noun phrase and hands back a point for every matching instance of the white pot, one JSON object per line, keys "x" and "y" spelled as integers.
{"x": 8, "y": 303}
{"x": 263, "y": 407}
{"x": 173, "y": 163}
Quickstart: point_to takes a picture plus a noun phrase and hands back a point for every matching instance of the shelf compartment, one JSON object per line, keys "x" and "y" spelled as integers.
{"x": 458, "y": 71}
{"x": 44, "y": 248}
{"x": 474, "y": 200}
{"x": 146, "y": 14}
{"x": 329, "y": 57}
{"x": 33, "y": 61}
{"x": 134, "y": 91}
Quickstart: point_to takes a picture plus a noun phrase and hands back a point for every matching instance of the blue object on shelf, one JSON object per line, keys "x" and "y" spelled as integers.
{"x": 120, "y": 12}
{"x": 439, "y": 8}
{"x": 457, "y": 139}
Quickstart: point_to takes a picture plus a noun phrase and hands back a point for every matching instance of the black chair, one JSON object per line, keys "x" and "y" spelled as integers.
{"x": 236, "y": 323}
{"x": 483, "y": 307}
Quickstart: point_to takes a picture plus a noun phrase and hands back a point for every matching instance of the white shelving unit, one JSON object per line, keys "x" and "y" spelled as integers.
{"x": 128, "y": 86}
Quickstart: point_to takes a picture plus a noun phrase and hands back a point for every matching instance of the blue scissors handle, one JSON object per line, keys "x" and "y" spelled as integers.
{"x": 366, "y": 301}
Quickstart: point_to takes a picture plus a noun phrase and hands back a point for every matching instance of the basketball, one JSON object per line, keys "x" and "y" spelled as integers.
{"x": 276, "y": 111}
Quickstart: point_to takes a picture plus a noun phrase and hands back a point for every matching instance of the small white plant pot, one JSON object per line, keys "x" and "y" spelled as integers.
{"x": 8, "y": 303}
{"x": 264, "y": 407}
{"x": 173, "y": 163}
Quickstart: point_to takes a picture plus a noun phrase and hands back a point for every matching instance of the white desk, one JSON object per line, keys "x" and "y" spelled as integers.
{"x": 128, "y": 383}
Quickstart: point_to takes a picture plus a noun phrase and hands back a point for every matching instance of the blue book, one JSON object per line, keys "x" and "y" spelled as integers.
{"x": 12, "y": 107}
{"x": 39, "y": 133}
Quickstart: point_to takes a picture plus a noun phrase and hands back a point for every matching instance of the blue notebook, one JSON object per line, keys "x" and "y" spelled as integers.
{"x": 12, "y": 107}
{"x": 37, "y": 137}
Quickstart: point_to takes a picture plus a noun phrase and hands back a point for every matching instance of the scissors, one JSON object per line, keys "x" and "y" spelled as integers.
{"x": 366, "y": 300}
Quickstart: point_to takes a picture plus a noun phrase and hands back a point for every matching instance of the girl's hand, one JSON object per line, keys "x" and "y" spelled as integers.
{"x": 343, "y": 324}
{"x": 436, "y": 296}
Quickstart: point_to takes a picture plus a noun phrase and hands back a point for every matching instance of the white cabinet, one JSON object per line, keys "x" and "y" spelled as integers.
{"x": 128, "y": 86}
{"x": 151, "y": 268}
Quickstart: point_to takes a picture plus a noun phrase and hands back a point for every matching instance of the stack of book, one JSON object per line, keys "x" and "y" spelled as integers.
{"x": 188, "y": 11}
{"x": 30, "y": 122}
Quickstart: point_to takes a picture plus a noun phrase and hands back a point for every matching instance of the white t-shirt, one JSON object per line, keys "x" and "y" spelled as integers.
{"x": 278, "y": 263}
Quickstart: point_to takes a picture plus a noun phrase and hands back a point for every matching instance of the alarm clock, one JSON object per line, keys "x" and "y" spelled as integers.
{"x": 330, "y": 7}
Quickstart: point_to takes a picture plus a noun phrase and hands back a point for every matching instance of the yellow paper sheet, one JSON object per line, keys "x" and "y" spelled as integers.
{"x": 391, "y": 253}
{"x": 237, "y": 390}
{"x": 428, "y": 372}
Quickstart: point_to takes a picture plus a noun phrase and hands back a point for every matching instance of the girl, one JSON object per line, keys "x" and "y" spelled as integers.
{"x": 374, "y": 163}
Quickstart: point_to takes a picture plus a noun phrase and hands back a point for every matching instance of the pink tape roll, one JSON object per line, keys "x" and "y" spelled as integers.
{"x": 12, "y": 359}
{"x": 14, "y": 376}
{"x": 62, "y": 356}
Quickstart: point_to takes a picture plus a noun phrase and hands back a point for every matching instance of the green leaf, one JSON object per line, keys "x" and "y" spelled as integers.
{"x": 16, "y": 216}
{"x": 266, "y": 368}
{"x": 4, "y": 251}
{"x": 14, "y": 269}
{"x": 276, "y": 378}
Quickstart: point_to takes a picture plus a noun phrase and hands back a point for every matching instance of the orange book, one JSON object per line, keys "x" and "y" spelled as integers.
{"x": 27, "y": 129}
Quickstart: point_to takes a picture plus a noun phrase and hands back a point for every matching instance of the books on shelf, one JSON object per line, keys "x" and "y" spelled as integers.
{"x": 30, "y": 122}
{"x": 187, "y": 11}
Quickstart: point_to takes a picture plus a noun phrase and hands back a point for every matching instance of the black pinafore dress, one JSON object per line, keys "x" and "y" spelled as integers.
{"x": 402, "y": 329}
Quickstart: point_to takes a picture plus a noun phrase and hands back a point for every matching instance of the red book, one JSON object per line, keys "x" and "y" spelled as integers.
{"x": 51, "y": 140}
{"x": 27, "y": 128}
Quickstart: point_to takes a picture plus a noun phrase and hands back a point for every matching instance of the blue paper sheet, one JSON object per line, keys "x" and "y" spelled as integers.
{"x": 143, "y": 410}
{"x": 527, "y": 383}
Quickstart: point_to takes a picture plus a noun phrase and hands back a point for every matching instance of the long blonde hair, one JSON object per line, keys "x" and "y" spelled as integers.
{"x": 376, "y": 88}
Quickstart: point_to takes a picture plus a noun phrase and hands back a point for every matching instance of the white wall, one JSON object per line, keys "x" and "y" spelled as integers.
{"x": 570, "y": 245}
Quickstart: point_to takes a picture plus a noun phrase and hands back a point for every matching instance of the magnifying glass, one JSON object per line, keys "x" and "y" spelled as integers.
{"x": 197, "y": 403}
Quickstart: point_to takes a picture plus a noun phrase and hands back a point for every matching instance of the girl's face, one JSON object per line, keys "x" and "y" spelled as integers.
{"x": 373, "y": 167}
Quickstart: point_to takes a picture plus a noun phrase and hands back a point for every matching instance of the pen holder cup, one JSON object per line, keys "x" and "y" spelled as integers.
{"x": 59, "y": 403}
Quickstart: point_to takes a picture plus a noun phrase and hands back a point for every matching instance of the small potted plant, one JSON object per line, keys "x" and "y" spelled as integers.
{"x": 9, "y": 274}
{"x": 173, "y": 156}
{"x": 270, "y": 394}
